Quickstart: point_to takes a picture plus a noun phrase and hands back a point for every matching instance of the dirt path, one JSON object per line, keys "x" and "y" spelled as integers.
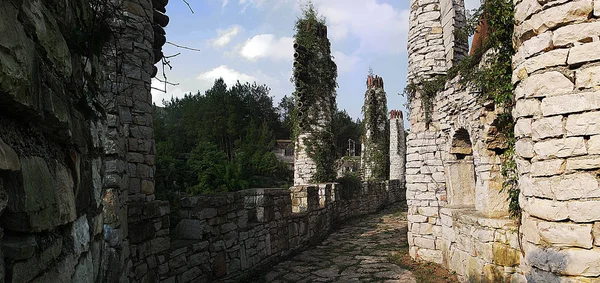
{"x": 358, "y": 252}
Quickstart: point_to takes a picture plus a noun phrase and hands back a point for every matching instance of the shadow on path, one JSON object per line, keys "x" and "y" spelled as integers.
{"x": 357, "y": 252}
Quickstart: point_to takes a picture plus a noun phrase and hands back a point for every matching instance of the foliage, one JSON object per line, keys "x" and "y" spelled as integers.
{"x": 220, "y": 141}
{"x": 350, "y": 185}
{"x": 315, "y": 76}
{"x": 344, "y": 129}
{"x": 488, "y": 70}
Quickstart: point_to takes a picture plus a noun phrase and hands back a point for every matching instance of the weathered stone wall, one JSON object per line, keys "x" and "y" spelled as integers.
{"x": 231, "y": 235}
{"x": 453, "y": 183}
{"x": 397, "y": 146}
{"x": 557, "y": 78}
{"x": 130, "y": 161}
{"x": 76, "y": 141}
{"x": 51, "y": 143}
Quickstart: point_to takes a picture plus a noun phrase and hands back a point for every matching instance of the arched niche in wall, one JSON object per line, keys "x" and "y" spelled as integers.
{"x": 460, "y": 170}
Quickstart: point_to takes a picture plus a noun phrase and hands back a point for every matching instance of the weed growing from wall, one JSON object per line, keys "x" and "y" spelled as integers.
{"x": 489, "y": 70}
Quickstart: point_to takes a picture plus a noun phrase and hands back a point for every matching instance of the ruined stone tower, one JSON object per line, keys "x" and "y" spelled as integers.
{"x": 315, "y": 76}
{"x": 432, "y": 44}
{"x": 397, "y": 146}
{"x": 558, "y": 138}
{"x": 376, "y": 139}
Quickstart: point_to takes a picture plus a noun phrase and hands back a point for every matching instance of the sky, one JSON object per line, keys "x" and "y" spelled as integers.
{"x": 251, "y": 41}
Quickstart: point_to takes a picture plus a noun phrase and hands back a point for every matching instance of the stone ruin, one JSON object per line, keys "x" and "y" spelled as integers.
{"x": 458, "y": 213}
{"x": 375, "y": 142}
{"x": 77, "y": 162}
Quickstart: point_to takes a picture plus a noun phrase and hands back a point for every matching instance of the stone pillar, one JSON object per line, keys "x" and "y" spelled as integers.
{"x": 315, "y": 102}
{"x": 397, "y": 146}
{"x": 453, "y": 19}
{"x": 130, "y": 149}
{"x": 432, "y": 45}
{"x": 375, "y": 143}
{"x": 558, "y": 139}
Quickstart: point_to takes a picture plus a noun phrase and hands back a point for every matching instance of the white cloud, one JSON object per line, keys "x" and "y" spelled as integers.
{"x": 160, "y": 93}
{"x": 230, "y": 76}
{"x": 225, "y": 2}
{"x": 225, "y": 36}
{"x": 268, "y": 46}
{"x": 379, "y": 27}
{"x": 345, "y": 63}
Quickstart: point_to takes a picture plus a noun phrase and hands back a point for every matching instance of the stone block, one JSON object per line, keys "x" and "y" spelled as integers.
{"x": 567, "y": 187}
{"x": 585, "y": 124}
{"x": 537, "y": 85}
{"x": 141, "y": 231}
{"x": 39, "y": 204}
{"x": 572, "y": 103}
{"x": 555, "y": 234}
{"x": 574, "y": 33}
{"x": 547, "y": 127}
{"x": 584, "y": 53}
{"x": 584, "y": 211}
{"x": 588, "y": 77}
{"x": 546, "y": 209}
{"x": 526, "y": 108}
{"x": 524, "y": 148}
{"x": 547, "y": 167}
{"x": 523, "y": 128}
{"x": 583, "y": 163}
{"x": 8, "y": 158}
{"x": 593, "y": 145}
{"x": 566, "y": 147}
{"x": 191, "y": 229}
{"x": 84, "y": 271}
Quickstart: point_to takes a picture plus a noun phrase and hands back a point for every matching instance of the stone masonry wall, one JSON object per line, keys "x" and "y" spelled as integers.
{"x": 397, "y": 146}
{"x": 52, "y": 130}
{"x": 231, "y": 235}
{"x": 457, "y": 213}
{"x": 557, "y": 79}
{"x": 130, "y": 149}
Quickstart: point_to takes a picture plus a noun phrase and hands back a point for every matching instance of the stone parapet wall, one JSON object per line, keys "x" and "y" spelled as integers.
{"x": 479, "y": 248}
{"x": 557, "y": 79}
{"x": 231, "y": 235}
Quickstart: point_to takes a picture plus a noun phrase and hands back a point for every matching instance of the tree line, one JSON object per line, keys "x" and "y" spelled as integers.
{"x": 223, "y": 140}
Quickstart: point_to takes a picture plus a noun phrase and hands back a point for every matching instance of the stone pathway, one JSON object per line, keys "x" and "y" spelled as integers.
{"x": 357, "y": 252}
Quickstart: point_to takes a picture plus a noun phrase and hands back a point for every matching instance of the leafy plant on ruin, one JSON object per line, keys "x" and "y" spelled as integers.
{"x": 489, "y": 70}
{"x": 315, "y": 74}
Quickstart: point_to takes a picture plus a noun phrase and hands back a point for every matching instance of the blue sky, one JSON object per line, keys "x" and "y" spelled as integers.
{"x": 251, "y": 40}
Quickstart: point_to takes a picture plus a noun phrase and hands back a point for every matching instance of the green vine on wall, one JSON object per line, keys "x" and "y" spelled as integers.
{"x": 315, "y": 75}
{"x": 489, "y": 70}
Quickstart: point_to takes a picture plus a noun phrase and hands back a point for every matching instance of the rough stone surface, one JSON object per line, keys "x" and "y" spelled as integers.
{"x": 358, "y": 252}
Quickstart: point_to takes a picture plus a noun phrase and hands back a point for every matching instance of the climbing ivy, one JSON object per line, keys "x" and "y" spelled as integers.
{"x": 489, "y": 70}
{"x": 315, "y": 75}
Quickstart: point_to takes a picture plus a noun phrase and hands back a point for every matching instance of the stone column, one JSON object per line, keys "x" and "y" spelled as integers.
{"x": 397, "y": 146}
{"x": 375, "y": 143}
{"x": 558, "y": 138}
{"x": 129, "y": 202}
{"x": 315, "y": 101}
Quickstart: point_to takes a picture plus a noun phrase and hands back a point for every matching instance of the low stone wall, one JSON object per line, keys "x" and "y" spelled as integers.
{"x": 479, "y": 248}
{"x": 229, "y": 235}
